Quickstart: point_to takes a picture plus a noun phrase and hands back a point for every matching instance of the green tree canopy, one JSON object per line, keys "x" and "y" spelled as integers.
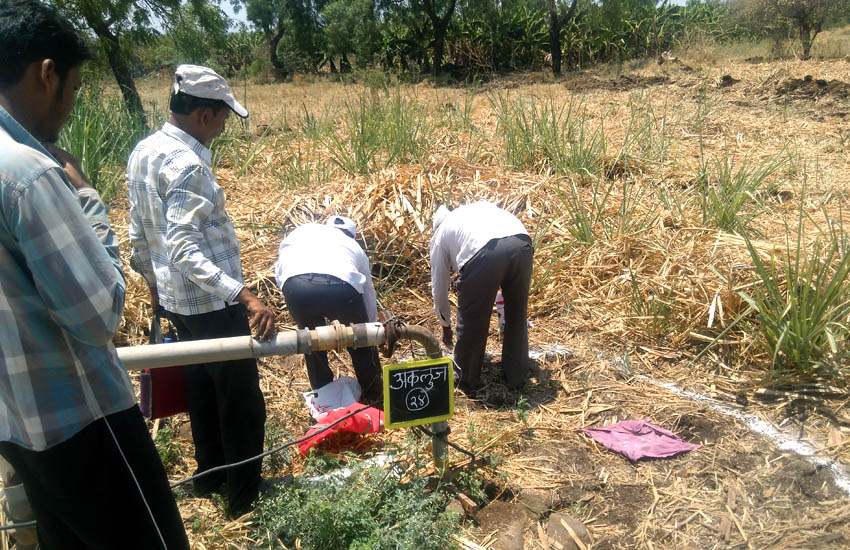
{"x": 806, "y": 18}
{"x": 114, "y": 21}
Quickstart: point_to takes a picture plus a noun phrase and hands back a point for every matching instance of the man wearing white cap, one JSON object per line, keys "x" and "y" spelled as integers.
{"x": 185, "y": 247}
{"x": 490, "y": 248}
{"x": 325, "y": 276}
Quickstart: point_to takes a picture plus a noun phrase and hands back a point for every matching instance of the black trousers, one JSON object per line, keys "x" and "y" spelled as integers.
{"x": 504, "y": 263}
{"x": 226, "y": 408}
{"x": 86, "y": 497}
{"x": 314, "y": 300}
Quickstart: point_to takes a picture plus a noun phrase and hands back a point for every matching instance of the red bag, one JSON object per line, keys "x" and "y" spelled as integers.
{"x": 163, "y": 390}
{"x": 369, "y": 420}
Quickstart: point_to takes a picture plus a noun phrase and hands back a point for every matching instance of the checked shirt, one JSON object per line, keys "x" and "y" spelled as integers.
{"x": 61, "y": 300}
{"x": 184, "y": 244}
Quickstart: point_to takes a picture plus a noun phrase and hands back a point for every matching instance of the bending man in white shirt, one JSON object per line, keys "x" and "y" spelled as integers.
{"x": 490, "y": 249}
{"x": 325, "y": 276}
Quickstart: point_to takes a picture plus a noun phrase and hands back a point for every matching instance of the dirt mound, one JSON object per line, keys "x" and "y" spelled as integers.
{"x": 809, "y": 88}
{"x": 623, "y": 84}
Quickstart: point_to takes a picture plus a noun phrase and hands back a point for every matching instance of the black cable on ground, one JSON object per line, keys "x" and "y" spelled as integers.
{"x": 10, "y": 526}
{"x": 270, "y": 451}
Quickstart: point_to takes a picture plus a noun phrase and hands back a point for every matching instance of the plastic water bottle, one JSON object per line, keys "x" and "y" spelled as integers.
{"x": 500, "y": 311}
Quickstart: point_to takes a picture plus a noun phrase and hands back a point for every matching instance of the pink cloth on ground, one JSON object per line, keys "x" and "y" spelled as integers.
{"x": 637, "y": 439}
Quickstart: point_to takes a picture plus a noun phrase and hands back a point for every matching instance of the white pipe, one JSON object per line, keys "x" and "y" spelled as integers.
{"x": 332, "y": 337}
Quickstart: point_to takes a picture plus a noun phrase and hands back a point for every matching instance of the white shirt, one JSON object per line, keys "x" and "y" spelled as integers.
{"x": 184, "y": 244}
{"x": 316, "y": 248}
{"x": 464, "y": 232}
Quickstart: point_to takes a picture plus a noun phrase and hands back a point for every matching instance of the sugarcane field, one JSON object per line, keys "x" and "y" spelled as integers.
{"x": 672, "y": 210}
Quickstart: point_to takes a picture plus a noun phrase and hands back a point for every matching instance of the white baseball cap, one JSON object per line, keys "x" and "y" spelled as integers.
{"x": 198, "y": 81}
{"x": 347, "y": 225}
{"x": 440, "y": 216}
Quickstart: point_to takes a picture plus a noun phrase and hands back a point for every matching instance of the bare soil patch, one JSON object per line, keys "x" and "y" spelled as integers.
{"x": 624, "y": 83}
{"x": 813, "y": 89}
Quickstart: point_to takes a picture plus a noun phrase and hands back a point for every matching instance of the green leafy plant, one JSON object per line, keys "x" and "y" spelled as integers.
{"x": 275, "y": 435}
{"x": 166, "y": 444}
{"x": 652, "y": 310}
{"x": 551, "y": 263}
{"x": 522, "y": 409}
{"x": 472, "y": 485}
{"x": 303, "y": 167}
{"x": 379, "y": 129}
{"x": 647, "y": 140}
{"x": 549, "y": 136}
{"x": 732, "y": 196}
{"x": 101, "y": 133}
{"x": 803, "y": 303}
{"x": 589, "y": 222}
{"x": 370, "y": 509}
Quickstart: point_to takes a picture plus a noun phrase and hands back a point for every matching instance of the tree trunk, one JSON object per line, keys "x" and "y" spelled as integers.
{"x": 280, "y": 70}
{"x": 803, "y": 30}
{"x": 555, "y": 44}
{"x": 556, "y": 23}
{"x": 344, "y": 64}
{"x": 441, "y": 26}
{"x": 124, "y": 78}
{"x": 807, "y": 37}
{"x": 439, "y": 49}
{"x": 118, "y": 65}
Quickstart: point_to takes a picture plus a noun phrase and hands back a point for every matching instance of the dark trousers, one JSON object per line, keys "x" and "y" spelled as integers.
{"x": 86, "y": 496}
{"x": 502, "y": 263}
{"x": 226, "y": 408}
{"x": 314, "y": 300}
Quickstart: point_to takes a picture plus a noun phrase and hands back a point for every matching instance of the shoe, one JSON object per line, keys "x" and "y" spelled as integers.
{"x": 205, "y": 486}
{"x": 470, "y": 390}
{"x": 206, "y": 491}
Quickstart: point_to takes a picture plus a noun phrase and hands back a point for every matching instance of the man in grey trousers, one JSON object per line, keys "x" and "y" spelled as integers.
{"x": 491, "y": 249}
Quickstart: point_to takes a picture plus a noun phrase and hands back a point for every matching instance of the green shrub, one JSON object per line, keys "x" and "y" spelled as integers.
{"x": 371, "y": 509}
{"x": 166, "y": 444}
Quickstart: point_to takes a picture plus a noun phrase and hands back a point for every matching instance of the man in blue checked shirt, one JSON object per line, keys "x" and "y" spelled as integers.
{"x": 69, "y": 424}
{"x": 185, "y": 247}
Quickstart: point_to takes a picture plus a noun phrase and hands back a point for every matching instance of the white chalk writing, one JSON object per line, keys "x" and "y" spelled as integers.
{"x": 417, "y": 399}
{"x": 421, "y": 378}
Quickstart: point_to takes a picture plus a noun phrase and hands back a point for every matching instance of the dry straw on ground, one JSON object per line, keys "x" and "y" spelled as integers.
{"x": 738, "y": 491}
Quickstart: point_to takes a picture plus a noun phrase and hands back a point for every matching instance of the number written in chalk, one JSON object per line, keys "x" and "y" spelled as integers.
{"x": 418, "y": 392}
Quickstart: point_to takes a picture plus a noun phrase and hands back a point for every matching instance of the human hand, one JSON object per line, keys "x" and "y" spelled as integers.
{"x": 448, "y": 337}
{"x": 261, "y": 318}
{"x": 70, "y": 165}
